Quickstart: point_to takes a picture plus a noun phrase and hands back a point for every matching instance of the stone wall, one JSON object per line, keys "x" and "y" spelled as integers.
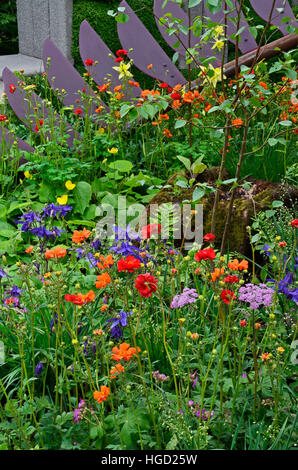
{"x": 42, "y": 19}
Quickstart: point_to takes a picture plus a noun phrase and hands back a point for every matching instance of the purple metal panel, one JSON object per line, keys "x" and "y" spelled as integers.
{"x": 93, "y": 47}
{"x": 69, "y": 79}
{"x": 178, "y": 12}
{"x": 146, "y": 50}
{"x": 11, "y": 138}
{"x": 263, "y": 8}
{"x": 247, "y": 42}
{"x": 29, "y": 107}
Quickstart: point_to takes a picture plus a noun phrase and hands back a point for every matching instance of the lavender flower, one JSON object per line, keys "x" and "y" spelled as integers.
{"x": 160, "y": 377}
{"x": 38, "y": 369}
{"x": 53, "y": 211}
{"x": 188, "y": 296}
{"x": 256, "y": 295}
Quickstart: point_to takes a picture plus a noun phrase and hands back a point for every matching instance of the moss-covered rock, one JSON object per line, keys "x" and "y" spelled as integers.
{"x": 247, "y": 203}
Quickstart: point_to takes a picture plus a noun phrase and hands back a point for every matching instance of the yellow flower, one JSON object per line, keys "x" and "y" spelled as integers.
{"x": 219, "y": 44}
{"x": 123, "y": 70}
{"x": 100, "y": 131}
{"x": 28, "y": 175}
{"x": 218, "y": 31}
{"x": 280, "y": 350}
{"x": 113, "y": 150}
{"x": 216, "y": 77}
{"x": 62, "y": 200}
{"x": 69, "y": 185}
{"x": 74, "y": 341}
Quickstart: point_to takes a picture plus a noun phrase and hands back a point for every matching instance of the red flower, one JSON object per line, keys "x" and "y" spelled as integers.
{"x": 208, "y": 253}
{"x": 175, "y": 96}
{"x": 119, "y": 59}
{"x": 121, "y": 52}
{"x": 12, "y": 88}
{"x": 294, "y": 223}
{"x": 89, "y": 62}
{"x": 209, "y": 237}
{"x": 128, "y": 264}
{"x": 146, "y": 284}
{"x": 227, "y": 295}
{"x": 150, "y": 229}
{"x": 231, "y": 279}
{"x": 78, "y": 111}
{"x": 3, "y": 118}
{"x": 164, "y": 85}
{"x": 243, "y": 323}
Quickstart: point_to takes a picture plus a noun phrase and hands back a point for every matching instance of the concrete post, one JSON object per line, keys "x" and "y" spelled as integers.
{"x": 41, "y": 19}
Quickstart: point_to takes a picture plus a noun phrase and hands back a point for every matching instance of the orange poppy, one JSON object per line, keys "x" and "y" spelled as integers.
{"x": 116, "y": 370}
{"x": 103, "y": 280}
{"x": 124, "y": 352}
{"x": 102, "y": 395}
{"x": 79, "y": 237}
{"x": 106, "y": 263}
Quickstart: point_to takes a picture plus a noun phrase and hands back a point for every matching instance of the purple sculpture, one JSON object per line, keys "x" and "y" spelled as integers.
{"x": 62, "y": 75}
{"x": 93, "y": 47}
{"x": 10, "y": 139}
{"x": 31, "y": 109}
{"x": 146, "y": 51}
{"x": 282, "y": 10}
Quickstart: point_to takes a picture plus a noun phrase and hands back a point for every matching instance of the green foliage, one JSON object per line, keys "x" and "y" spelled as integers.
{"x": 9, "y": 29}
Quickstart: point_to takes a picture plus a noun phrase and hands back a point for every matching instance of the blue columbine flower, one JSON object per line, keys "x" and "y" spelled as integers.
{"x": 53, "y": 211}
{"x": 118, "y": 322}
{"x": 38, "y": 369}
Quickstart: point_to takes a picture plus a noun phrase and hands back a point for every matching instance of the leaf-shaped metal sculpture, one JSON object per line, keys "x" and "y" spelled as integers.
{"x": 247, "y": 42}
{"x": 62, "y": 75}
{"x": 146, "y": 51}
{"x": 10, "y": 140}
{"x": 31, "y": 109}
{"x": 177, "y": 12}
{"x": 93, "y": 47}
{"x": 282, "y": 10}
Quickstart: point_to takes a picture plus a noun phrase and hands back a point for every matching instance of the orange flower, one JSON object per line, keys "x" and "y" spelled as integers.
{"x": 98, "y": 332}
{"x": 116, "y": 370}
{"x": 29, "y": 249}
{"x": 176, "y": 104}
{"x": 217, "y": 273}
{"x": 236, "y": 266}
{"x": 132, "y": 83}
{"x": 106, "y": 263}
{"x": 117, "y": 88}
{"x": 103, "y": 308}
{"x": 79, "y": 237}
{"x": 237, "y": 122}
{"x": 167, "y": 133}
{"x": 87, "y": 297}
{"x": 102, "y": 395}
{"x": 124, "y": 352}
{"x": 149, "y": 66}
{"x": 263, "y": 84}
{"x": 57, "y": 252}
{"x": 188, "y": 97}
{"x": 102, "y": 280}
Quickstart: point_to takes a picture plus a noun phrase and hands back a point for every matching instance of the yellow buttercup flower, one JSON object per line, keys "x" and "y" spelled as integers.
{"x": 113, "y": 150}
{"x": 100, "y": 131}
{"x": 69, "y": 185}
{"x": 62, "y": 200}
{"x": 28, "y": 175}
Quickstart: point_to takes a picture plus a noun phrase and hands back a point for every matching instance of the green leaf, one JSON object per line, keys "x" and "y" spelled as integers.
{"x": 277, "y": 204}
{"x": 198, "y": 194}
{"x": 124, "y": 166}
{"x": 185, "y": 161}
{"x": 122, "y": 18}
{"x": 198, "y": 167}
{"x": 180, "y": 123}
{"x": 193, "y": 3}
{"x": 82, "y": 196}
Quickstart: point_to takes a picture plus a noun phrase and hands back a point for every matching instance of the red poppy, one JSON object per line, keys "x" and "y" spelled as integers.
{"x": 12, "y": 88}
{"x": 121, "y": 52}
{"x": 209, "y": 237}
{"x": 175, "y": 96}
{"x": 146, "y": 284}
{"x": 128, "y": 264}
{"x": 243, "y": 323}
{"x": 206, "y": 254}
{"x": 78, "y": 111}
{"x": 89, "y": 62}
{"x": 227, "y": 295}
{"x": 119, "y": 59}
{"x": 150, "y": 229}
{"x": 231, "y": 279}
{"x": 164, "y": 85}
{"x": 3, "y": 118}
{"x": 294, "y": 223}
